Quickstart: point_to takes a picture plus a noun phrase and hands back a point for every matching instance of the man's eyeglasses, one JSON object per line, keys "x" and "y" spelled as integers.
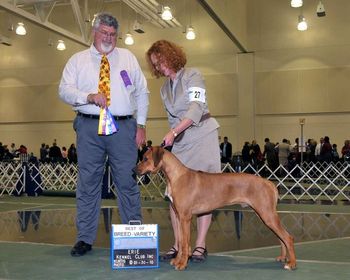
{"x": 106, "y": 34}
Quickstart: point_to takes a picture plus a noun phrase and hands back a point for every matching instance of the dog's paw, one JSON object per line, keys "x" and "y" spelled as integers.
{"x": 290, "y": 266}
{"x": 178, "y": 263}
{"x": 181, "y": 266}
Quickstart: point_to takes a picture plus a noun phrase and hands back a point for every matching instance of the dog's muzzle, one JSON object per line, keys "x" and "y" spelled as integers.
{"x": 138, "y": 172}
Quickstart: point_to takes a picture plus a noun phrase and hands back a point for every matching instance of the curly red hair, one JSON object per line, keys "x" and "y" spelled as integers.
{"x": 167, "y": 53}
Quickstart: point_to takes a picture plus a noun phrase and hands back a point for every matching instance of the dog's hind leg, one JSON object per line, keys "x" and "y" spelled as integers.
{"x": 272, "y": 220}
{"x": 287, "y": 247}
{"x": 283, "y": 256}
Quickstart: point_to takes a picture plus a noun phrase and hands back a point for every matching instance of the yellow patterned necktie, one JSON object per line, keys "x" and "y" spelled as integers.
{"x": 105, "y": 79}
{"x": 107, "y": 124}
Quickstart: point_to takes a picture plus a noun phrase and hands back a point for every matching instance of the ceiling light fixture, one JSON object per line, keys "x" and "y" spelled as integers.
{"x": 120, "y": 35}
{"x": 166, "y": 14}
{"x": 190, "y": 34}
{"x": 296, "y": 3}
{"x": 138, "y": 27}
{"x": 20, "y": 29}
{"x": 61, "y": 45}
{"x": 320, "y": 11}
{"x": 5, "y": 40}
{"x": 302, "y": 24}
{"x": 129, "y": 40}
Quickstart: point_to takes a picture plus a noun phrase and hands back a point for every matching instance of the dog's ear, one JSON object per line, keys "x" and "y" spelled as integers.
{"x": 157, "y": 155}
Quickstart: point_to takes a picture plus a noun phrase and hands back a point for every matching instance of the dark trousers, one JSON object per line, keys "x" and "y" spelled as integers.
{"x": 92, "y": 151}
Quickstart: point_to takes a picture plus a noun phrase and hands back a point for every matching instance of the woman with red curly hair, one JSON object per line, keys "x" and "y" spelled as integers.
{"x": 193, "y": 133}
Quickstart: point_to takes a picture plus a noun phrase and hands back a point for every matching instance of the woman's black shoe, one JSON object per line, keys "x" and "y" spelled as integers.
{"x": 203, "y": 253}
{"x": 171, "y": 254}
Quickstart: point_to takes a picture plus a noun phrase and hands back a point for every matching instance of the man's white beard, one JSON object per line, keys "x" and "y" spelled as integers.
{"x": 106, "y": 48}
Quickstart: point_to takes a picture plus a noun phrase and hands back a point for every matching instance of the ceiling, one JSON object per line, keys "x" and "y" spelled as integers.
{"x": 71, "y": 19}
{"x": 222, "y": 26}
{"x": 42, "y": 11}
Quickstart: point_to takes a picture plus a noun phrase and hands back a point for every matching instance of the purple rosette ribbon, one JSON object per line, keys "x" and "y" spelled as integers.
{"x": 126, "y": 80}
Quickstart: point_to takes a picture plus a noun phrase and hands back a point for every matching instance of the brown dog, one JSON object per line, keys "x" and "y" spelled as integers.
{"x": 194, "y": 192}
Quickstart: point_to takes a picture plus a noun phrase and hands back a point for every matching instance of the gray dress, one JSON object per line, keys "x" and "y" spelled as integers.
{"x": 199, "y": 145}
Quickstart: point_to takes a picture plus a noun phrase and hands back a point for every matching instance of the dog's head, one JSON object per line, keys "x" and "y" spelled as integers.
{"x": 151, "y": 161}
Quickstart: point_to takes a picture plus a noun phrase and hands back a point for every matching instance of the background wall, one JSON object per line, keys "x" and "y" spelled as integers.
{"x": 284, "y": 76}
{"x": 301, "y": 74}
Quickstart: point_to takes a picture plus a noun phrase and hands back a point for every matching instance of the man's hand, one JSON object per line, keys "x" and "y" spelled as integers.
{"x": 99, "y": 99}
{"x": 140, "y": 136}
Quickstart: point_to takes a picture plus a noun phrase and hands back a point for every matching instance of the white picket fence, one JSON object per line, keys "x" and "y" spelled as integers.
{"x": 311, "y": 181}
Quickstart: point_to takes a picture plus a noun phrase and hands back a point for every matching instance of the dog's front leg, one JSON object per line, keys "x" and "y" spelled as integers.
{"x": 178, "y": 236}
{"x": 181, "y": 260}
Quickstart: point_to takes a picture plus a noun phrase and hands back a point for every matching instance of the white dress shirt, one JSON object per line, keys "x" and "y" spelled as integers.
{"x": 81, "y": 76}
{"x": 318, "y": 149}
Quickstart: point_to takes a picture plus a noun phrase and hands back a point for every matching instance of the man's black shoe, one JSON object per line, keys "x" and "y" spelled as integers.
{"x": 80, "y": 249}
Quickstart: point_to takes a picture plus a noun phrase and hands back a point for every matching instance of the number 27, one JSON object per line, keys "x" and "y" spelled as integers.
{"x": 197, "y": 94}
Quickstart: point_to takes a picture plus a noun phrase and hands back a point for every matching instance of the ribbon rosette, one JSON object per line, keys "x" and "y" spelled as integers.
{"x": 107, "y": 125}
{"x": 126, "y": 79}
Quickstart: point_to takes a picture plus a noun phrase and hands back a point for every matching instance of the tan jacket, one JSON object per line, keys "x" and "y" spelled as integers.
{"x": 178, "y": 105}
